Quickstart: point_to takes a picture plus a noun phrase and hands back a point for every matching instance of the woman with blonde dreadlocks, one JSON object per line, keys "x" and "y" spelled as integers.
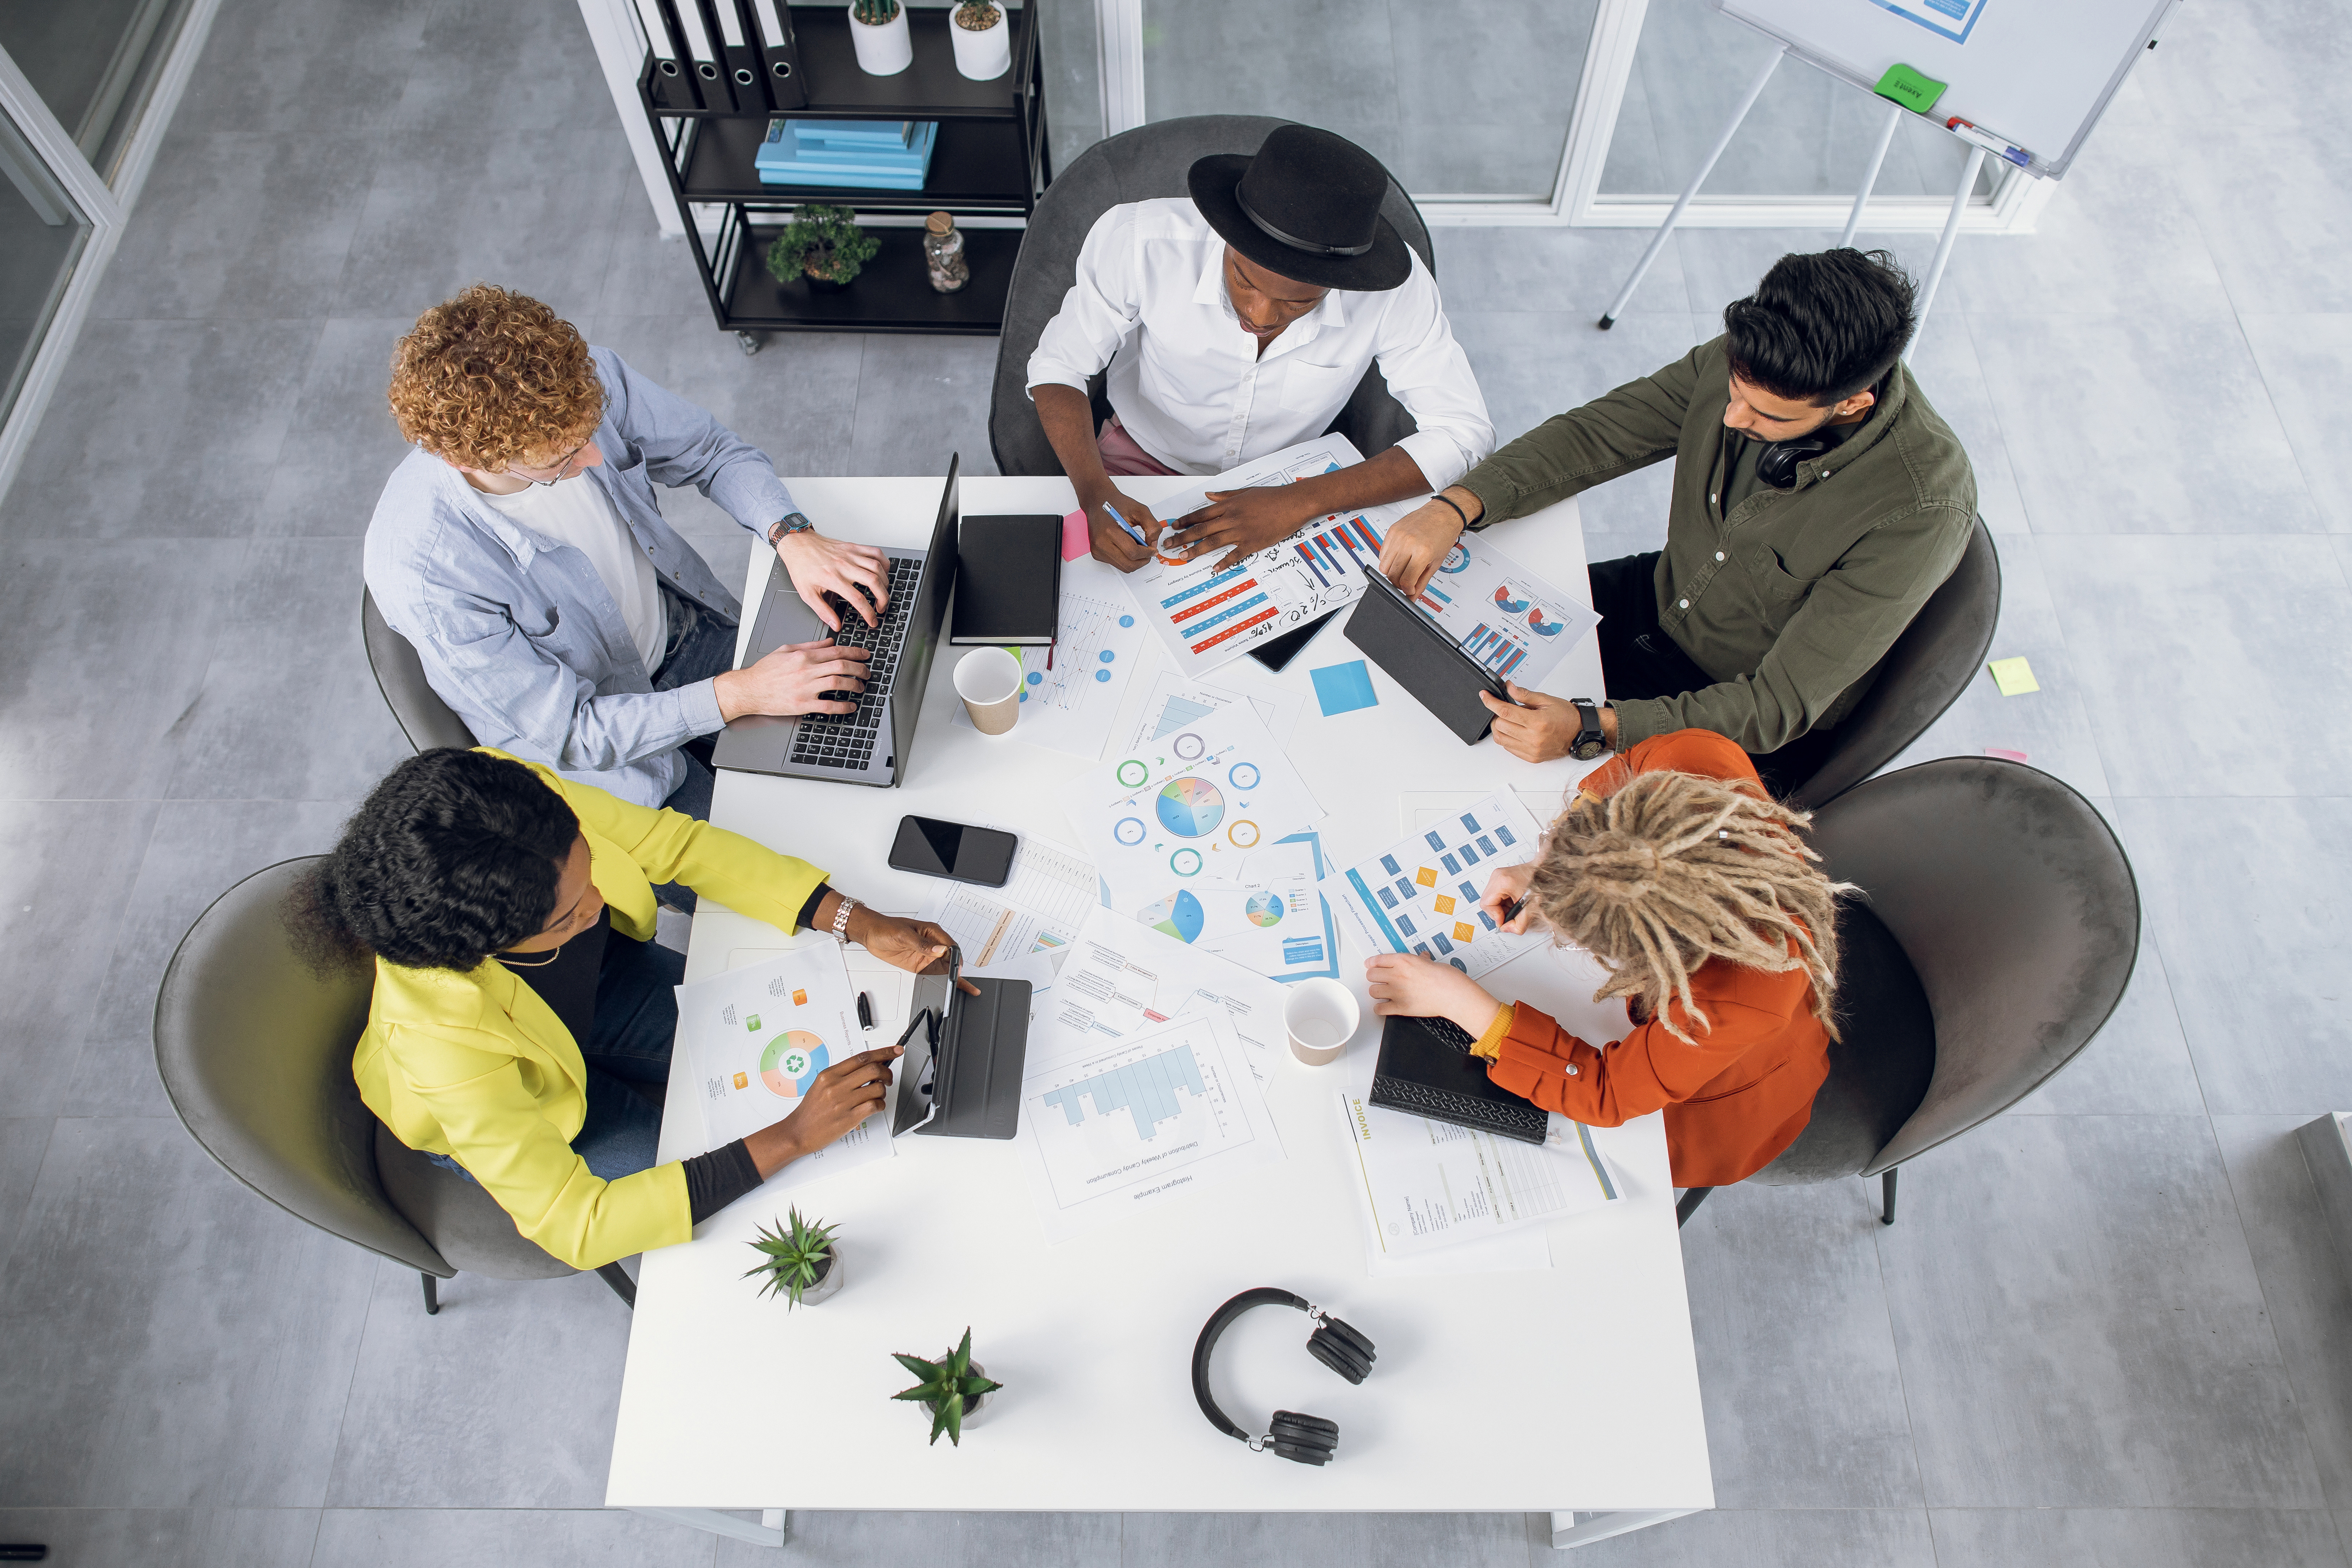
{"x": 1692, "y": 887}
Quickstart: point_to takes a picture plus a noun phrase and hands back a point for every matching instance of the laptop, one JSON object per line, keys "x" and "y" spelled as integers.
{"x": 870, "y": 746}
{"x": 1421, "y": 655}
{"x": 961, "y": 1077}
{"x": 1425, "y": 1068}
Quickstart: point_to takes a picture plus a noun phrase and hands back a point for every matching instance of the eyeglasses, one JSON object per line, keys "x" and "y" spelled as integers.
{"x": 562, "y": 469}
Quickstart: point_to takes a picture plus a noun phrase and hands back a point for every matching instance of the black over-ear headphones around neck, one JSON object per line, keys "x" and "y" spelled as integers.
{"x": 1308, "y": 1439}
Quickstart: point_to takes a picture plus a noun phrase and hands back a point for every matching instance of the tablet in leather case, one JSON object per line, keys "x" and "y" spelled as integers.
{"x": 1425, "y": 1073}
{"x": 963, "y": 1079}
{"x": 1419, "y": 657}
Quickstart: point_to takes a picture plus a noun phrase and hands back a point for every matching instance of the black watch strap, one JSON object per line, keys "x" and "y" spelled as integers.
{"x": 1589, "y": 741}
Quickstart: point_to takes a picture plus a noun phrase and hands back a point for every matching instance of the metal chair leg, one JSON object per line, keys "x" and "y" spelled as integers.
{"x": 624, "y": 1287}
{"x": 1692, "y": 1198}
{"x": 1886, "y": 1193}
{"x": 432, "y": 1295}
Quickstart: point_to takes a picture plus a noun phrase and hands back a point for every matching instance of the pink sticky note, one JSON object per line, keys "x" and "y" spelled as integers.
{"x": 2004, "y": 752}
{"x": 1075, "y": 541}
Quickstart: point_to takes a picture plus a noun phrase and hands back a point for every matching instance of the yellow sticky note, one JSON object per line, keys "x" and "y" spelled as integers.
{"x": 742, "y": 1080}
{"x": 1426, "y": 877}
{"x": 2013, "y": 676}
{"x": 800, "y": 998}
{"x": 1463, "y": 932}
{"x": 1444, "y": 904}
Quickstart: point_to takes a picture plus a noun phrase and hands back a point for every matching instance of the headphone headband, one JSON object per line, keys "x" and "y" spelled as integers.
{"x": 1219, "y": 1321}
{"x": 1308, "y": 1439}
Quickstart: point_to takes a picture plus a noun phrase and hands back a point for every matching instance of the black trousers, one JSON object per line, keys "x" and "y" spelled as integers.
{"x": 1638, "y": 660}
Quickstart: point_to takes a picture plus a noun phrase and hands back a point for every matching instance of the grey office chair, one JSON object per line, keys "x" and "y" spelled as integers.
{"x": 1921, "y": 676}
{"x": 424, "y": 718}
{"x": 256, "y": 1053}
{"x": 1133, "y": 166}
{"x": 1998, "y": 929}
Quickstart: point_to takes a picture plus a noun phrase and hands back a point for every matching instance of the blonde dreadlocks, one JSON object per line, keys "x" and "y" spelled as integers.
{"x": 1677, "y": 868}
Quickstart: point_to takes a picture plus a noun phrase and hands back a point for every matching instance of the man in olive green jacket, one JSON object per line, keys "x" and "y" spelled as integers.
{"x": 1818, "y": 501}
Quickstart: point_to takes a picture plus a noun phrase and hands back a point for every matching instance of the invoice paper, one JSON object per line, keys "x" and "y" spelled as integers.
{"x": 1189, "y": 805}
{"x": 1208, "y": 614}
{"x": 1428, "y": 1184}
{"x": 757, "y": 1037}
{"x": 1070, "y": 693}
{"x": 1122, "y": 1124}
{"x": 1421, "y": 894}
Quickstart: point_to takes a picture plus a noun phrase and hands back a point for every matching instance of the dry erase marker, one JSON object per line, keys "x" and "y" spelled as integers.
{"x": 1968, "y": 132}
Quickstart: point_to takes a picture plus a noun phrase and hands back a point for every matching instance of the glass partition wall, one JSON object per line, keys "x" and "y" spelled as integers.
{"x": 84, "y": 88}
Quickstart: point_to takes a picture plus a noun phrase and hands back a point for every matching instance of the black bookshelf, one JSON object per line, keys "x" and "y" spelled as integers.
{"x": 989, "y": 161}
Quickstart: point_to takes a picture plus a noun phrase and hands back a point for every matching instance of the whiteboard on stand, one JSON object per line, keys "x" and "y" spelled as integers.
{"x": 2037, "y": 73}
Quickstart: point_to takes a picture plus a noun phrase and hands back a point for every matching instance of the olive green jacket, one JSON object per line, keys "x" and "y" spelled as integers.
{"x": 1791, "y": 600}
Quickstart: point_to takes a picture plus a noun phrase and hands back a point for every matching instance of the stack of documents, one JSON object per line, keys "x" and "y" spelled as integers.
{"x": 850, "y": 154}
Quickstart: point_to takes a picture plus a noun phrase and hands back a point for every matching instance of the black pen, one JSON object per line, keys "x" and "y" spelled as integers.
{"x": 1511, "y": 910}
{"x": 864, "y": 1011}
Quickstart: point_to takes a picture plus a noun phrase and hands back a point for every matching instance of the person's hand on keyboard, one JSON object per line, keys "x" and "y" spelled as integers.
{"x": 798, "y": 677}
{"x": 1505, "y": 886}
{"x": 1407, "y": 985}
{"x": 858, "y": 575}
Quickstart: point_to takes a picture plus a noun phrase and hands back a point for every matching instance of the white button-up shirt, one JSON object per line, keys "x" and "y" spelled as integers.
{"x": 1188, "y": 382}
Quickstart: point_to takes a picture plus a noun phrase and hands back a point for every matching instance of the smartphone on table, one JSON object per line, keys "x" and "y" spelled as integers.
{"x": 954, "y": 850}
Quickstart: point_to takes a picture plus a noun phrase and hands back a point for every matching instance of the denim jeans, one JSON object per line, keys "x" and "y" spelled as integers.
{"x": 700, "y": 645}
{"x": 628, "y": 1042}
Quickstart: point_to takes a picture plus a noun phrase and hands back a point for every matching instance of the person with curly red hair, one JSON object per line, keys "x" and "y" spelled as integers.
{"x": 520, "y": 548}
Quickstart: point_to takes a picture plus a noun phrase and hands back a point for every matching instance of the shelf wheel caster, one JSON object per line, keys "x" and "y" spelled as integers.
{"x": 750, "y": 343}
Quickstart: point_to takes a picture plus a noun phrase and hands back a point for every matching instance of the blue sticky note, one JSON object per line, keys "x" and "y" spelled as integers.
{"x": 1344, "y": 687}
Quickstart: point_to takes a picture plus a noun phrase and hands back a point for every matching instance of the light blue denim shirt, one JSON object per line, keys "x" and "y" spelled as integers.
{"x": 518, "y": 634}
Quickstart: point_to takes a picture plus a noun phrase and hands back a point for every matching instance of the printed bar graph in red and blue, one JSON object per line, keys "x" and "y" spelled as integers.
{"x": 1494, "y": 650}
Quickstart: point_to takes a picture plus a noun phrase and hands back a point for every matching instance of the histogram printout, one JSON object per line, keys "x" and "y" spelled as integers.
{"x": 1118, "y": 1126}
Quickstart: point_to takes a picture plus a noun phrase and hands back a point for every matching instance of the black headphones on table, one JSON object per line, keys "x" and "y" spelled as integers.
{"x": 1308, "y": 1439}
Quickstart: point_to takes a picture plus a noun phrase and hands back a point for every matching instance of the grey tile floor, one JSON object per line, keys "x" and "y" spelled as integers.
{"x": 2106, "y": 1330}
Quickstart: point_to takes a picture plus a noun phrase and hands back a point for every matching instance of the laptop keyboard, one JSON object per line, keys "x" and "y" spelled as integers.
{"x": 847, "y": 741}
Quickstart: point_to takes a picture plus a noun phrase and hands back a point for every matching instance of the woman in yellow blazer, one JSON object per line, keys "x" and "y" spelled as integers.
{"x": 509, "y": 916}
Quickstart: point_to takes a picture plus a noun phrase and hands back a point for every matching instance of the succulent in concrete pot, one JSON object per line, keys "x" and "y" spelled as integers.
{"x": 952, "y": 1388}
{"x": 798, "y": 1261}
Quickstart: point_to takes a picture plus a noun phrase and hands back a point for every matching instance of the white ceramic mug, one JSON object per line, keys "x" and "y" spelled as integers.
{"x": 989, "y": 681}
{"x": 1321, "y": 1016}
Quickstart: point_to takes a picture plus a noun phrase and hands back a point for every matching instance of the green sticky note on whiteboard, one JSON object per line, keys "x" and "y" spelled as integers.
{"x": 1908, "y": 87}
{"x": 2013, "y": 676}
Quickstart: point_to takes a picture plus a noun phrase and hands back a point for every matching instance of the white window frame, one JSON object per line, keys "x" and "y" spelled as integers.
{"x": 105, "y": 208}
{"x": 1575, "y": 200}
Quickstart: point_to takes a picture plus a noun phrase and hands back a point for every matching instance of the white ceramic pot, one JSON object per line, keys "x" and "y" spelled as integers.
{"x": 985, "y": 55}
{"x": 829, "y": 1284}
{"x": 885, "y": 50}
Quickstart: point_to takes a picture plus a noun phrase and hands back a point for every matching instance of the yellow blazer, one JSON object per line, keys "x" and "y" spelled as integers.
{"x": 475, "y": 1066}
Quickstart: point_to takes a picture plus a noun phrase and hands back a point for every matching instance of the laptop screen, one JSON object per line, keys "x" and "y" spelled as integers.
{"x": 923, "y": 625}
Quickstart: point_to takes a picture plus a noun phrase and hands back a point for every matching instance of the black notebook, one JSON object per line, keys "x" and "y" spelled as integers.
{"x": 1008, "y": 582}
{"x": 1400, "y": 637}
{"x": 1426, "y": 1069}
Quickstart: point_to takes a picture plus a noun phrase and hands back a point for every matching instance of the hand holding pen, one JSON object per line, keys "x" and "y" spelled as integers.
{"x": 1507, "y": 896}
{"x": 1110, "y": 537}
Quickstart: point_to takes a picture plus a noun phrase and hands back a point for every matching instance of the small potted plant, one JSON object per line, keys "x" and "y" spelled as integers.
{"x": 797, "y": 1261}
{"x": 951, "y": 1388}
{"x": 878, "y": 29}
{"x": 983, "y": 40}
{"x": 823, "y": 245}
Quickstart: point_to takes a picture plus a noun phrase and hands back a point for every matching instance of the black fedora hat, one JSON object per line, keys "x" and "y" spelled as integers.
{"x": 1306, "y": 206}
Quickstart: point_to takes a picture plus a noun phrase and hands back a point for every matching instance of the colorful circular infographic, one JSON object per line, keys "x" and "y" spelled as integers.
{"x": 1265, "y": 907}
{"x": 1185, "y": 862}
{"x": 1456, "y": 558}
{"x": 1132, "y": 773}
{"x": 1189, "y": 807}
{"x": 1188, "y": 747}
{"x": 1178, "y": 914}
{"x": 792, "y": 1062}
{"x": 1242, "y": 835}
{"x": 1244, "y": 775}
{"x": 1128, "y": 830}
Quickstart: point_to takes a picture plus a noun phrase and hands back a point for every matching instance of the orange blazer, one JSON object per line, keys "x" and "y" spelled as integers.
{"x": 1734, "y": 1101}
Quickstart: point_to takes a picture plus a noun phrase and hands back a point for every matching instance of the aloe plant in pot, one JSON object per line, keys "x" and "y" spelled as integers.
{"x": 951, "y": 1388}
{"x": 797, "y": 1261}
{"x": 824, "y": 246}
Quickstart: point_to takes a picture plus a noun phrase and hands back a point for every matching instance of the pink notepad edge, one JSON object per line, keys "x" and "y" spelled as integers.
{"x": 1076, "y": 541}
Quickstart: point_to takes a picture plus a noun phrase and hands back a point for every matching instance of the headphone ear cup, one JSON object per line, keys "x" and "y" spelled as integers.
{"x": 1342, "y": 1349}
{"x": 1308, "y": 1439}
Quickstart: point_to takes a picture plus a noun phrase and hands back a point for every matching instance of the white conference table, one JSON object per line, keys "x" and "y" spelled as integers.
{"x": 1572, "y": 1390}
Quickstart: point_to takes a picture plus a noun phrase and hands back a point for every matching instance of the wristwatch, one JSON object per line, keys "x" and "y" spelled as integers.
{"x": 1588, "y": 742}
{"x": 841, "y": 919}
{"x": 790, "y": 523}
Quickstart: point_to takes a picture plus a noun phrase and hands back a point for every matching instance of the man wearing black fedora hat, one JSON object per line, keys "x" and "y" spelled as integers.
{"x": 1238, "y": 322}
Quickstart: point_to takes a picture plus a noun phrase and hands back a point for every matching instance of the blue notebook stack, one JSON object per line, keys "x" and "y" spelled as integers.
{"x": 848, "y": 154}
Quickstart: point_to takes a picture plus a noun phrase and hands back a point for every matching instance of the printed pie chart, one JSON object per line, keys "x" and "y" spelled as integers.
{"x": 1265, "y": 907}
{"x": 1178, "y": 914}
{"x": 1189, "y": 807}
{"x": 792, "y": 1062}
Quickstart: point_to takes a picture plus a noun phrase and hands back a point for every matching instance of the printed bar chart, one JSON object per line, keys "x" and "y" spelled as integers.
{"x": 1146, "y": 1091}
